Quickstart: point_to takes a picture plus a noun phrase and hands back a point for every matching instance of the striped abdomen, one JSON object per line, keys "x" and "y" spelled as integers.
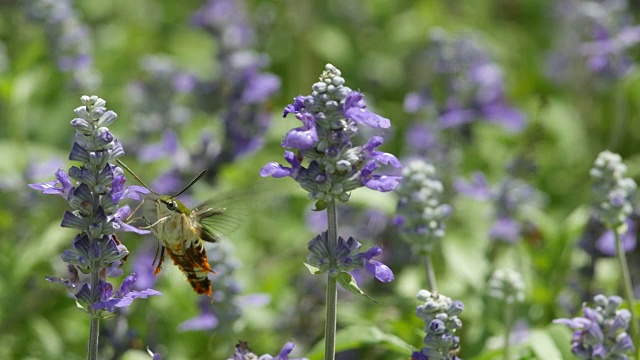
{"x": 192, "y": 261}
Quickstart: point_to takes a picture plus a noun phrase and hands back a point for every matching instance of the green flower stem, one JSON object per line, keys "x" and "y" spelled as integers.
{"x": 508, "y": 315}
{"x": 431, "y": 275}
{"x": 618, "y": 128}
{"x": 94, "y": 327}
{"x": 628, "y": 292}
{"x": 332, "y": 286}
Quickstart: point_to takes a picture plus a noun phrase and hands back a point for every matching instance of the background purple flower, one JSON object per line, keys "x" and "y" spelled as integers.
{"x": 69, "y": 39}
{"x": 595, "y": 40}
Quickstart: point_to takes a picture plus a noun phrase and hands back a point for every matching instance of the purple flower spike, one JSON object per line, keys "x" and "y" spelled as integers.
{"x": 330, "y": 118}
{"x": 601, "y": 332}
{"x": 415, "y": 101}
{"x": 455, "y": 116}
{"x": 511, "y": 119}
{"x": 166, "y": 147}
{"x": 506, "y": 229}
{"x": 260, "y": 87}
{"x": 441, "y": 326}
{"x": 478, "y": 188}
{"x": 95, "y": 212}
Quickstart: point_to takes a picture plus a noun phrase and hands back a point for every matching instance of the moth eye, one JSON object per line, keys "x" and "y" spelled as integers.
{"x": 173, "y": 206}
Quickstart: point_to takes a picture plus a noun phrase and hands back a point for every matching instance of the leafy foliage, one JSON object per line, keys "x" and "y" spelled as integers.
{"x": 376, "y": 43}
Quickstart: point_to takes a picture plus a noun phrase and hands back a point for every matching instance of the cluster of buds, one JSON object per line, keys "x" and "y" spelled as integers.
{"x": 330, "y": 117}
{"x": 347, "y": 256}
{"x": 613, "y": 193}
{"x": 440, "y": 315}
{"x": 507, "y": 286}
{"x": 602, "y": 332}
{"x": 95, "y": 212}
{"x": 421, "y": 212}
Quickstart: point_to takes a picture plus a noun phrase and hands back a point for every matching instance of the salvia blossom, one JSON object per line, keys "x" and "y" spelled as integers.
{"x": 348, "y": 257}
{"x": 242, "y": 89}
{"x": 507, "y": 286}
{"x": 236, "y": 96}
{"x": 602, "y": 332}
{"x": 440, "y": 315}
{"x": 613, "y": 193}
{"x": 511, "y": 199}
{"x": 94, "y": 191}
{"x": 243, "y": 352}
{"x": 68, "y": 39}
{"x": 156, "y": 100}
{"x": 227, "y": 21}
{"x": 466, "y": 86}
{"x": 421, "y": 211}
{"x": 330, "y": 117}
{"x": 599, "y": 35}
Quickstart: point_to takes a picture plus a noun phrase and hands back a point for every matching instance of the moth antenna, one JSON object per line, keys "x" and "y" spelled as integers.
{"x": 137, "y": 178}
{"x": 190, "y": 184}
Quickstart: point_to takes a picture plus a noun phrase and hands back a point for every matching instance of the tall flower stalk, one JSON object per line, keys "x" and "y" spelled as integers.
{"x": 421, "y": 212}
{"x": 334, "y": 167}
{"x": 94, "y": 200}
{"x": 613, "y": 195}
{"x": 507, "y": 286}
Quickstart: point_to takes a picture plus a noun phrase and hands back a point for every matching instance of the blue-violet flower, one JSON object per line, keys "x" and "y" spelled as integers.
{"x": 440, "y": 315}
{"x": 95, "y": 212}
{"x": 330, "y": 117}
{"x": 602, "y": 332}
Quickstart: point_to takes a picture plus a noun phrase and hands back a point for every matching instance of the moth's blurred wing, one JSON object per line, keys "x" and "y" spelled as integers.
{"x": 216, "y": 222}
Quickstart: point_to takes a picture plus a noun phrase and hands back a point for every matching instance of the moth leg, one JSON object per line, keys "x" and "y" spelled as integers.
{"x": 160, "y": 258}
{"x": 134, "y": 212}
{"x": 159, "y": 248}
{"x": 150, "y": 226}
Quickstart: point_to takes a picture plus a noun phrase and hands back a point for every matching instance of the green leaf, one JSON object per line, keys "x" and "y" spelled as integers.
{"x": 47, "y": 336}
{"x": 489, "y": 354}
{"x": 135, "y": 355}
{"x": 561, "y": 336}
{"x": 349, "y": 283}
{"x": 312, "y": 269}
{"x": 321, "y": 205}
{"x": 359, "y": 336}
{"x": 543, "y": 345}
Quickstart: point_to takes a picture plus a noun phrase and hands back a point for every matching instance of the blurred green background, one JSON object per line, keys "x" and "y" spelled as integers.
{"x": 371, "y": 42}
